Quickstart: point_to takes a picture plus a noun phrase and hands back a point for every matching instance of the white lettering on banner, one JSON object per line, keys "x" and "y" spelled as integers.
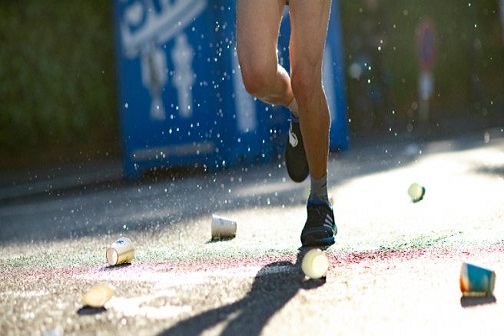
{"x": 154, "y": 78}
{"x": 182, "y": 56}
{"x": 144, "y": 28}
{"x": 244, "y": 103}
{"x": 160, "y": 25}
{"x": 328, "y": 80}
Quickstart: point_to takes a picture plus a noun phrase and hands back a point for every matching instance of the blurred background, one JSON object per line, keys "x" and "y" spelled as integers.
{"x": 59, "y": 92}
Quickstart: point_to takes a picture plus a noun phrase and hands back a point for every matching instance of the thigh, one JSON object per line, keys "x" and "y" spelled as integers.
{"x": 309, "y": 21}
{"x": 257, "y": 26}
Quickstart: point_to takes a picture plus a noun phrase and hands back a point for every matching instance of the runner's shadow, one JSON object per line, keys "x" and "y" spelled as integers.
{"x": 274, "y": 285}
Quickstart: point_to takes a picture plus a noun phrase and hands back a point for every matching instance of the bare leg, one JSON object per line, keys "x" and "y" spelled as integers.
{"x": 258, "y": 24}
{"x": 309, "y": 20}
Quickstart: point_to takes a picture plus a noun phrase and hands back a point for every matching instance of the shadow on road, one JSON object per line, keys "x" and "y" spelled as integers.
{"x": 150, "y": 205}
{"x": 87, "y": 310}
{"x": 274, "y": 285}
{"x": 468, "y": 301}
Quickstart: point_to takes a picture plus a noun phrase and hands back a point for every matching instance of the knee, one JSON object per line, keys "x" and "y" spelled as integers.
{"x": 304, "y": 84}
{"x": 257, "y": 78}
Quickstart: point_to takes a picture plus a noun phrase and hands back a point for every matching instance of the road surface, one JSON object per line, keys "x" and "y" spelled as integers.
{"x": 394, "y": 269}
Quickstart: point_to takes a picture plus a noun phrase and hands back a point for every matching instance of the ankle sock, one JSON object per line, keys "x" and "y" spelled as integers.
{"x": 318, "y": 190}
{"x": 293, "y": 108}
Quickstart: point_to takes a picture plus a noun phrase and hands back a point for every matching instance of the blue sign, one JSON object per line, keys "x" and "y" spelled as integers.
{"x": 181, "y": 96}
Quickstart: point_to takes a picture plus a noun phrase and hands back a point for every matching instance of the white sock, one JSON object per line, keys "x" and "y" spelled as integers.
{"x": 293, "y": 107}
{"x": 318, "y": 190}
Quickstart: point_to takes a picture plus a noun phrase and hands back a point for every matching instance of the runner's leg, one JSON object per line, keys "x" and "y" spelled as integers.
{"x": 257, "y": 25}
{"x": 309, "y": 21}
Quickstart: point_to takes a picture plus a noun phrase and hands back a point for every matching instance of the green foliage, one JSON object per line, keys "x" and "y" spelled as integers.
{"x": 58, "y": 83}
{"x": 469, "y": 68}
{"x": 57, "y": 88}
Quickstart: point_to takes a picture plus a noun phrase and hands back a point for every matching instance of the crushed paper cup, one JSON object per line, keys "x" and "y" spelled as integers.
{"x": 98, "y": 295}
{"x": 121, "y": 251}
{"x": 223, "y": 228}
{"x": 476, "y": 280}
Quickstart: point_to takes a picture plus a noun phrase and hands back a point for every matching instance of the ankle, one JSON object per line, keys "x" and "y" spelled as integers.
{"x": 318, "y": 191}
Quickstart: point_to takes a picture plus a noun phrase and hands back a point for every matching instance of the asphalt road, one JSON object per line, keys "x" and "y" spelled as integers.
{"x": 393, "y": 271}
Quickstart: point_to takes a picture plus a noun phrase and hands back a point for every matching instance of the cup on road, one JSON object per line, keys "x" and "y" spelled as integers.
{"x": 120, "y": 252}
{"x": 98, "y": 295}
{"x": 476, "y": 280}
{"x": 315, "y": 264}
{"x": 416, "y": 192}
{"x": 223, "y": 228}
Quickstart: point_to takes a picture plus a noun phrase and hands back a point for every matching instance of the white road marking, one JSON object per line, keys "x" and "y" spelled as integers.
{"x": 144, "y": 306}
{"x": 152, "y": 305}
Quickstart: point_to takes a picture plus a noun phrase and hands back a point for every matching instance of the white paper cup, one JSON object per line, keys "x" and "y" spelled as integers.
{"x": 315, "y": 264}
{"x": 120, "y": 252}
{"x": 416, "y": 192}
{"x": 223, "y": 228}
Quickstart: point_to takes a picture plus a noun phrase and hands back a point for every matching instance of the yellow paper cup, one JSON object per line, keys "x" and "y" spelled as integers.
{"x": 121, "y": 251}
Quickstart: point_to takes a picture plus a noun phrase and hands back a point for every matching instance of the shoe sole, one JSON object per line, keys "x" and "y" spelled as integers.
{"x": 296, "y": 176}
{"x": 319, "y": 242}
{"x": 298, "y": 170}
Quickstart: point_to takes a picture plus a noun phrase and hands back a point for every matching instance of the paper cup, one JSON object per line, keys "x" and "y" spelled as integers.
{"x": 416, "y": 192}
{"x": 476, "y": 280}
{"x": 315, "y": 264}
{"x": 98, "y": 295}
{"x": 120, "y": 252}
{"x": 223, "y": 228}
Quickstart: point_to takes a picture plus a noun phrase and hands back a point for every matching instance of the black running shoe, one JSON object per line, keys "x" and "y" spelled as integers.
{"x": 295, "y": 156}
{"x": 320, "y": 227}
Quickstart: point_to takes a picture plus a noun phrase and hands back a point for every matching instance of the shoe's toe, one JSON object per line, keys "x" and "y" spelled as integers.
{"x": 319, "y": 236}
